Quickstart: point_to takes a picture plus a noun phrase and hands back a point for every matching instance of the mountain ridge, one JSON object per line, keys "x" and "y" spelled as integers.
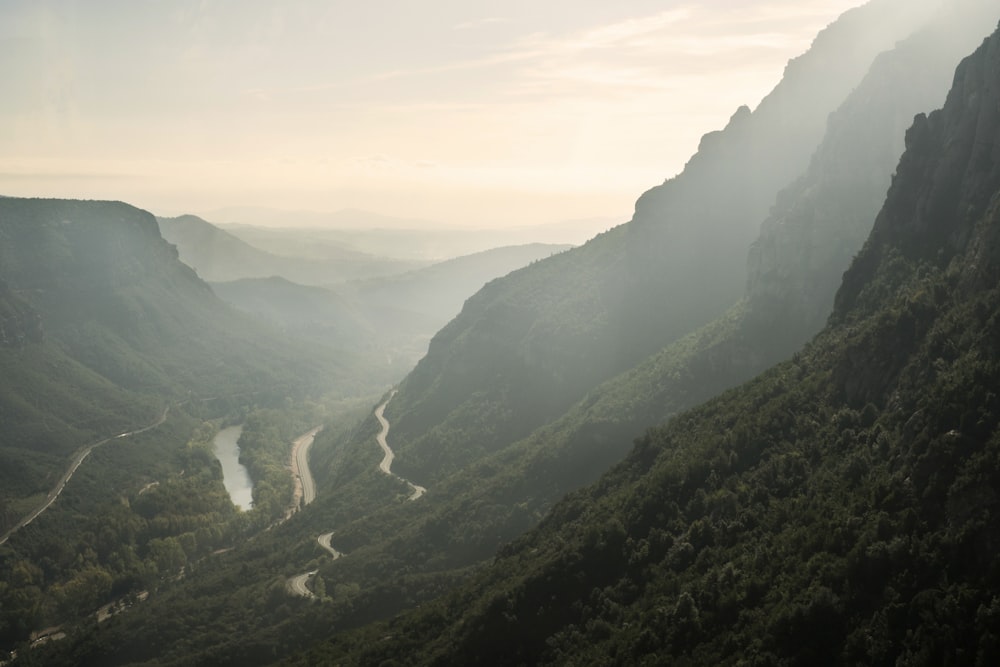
{"x": 218, "y": 256}
{"x": 97, "y": 310}
{"x": 817, "y": 514}
{"x": 545, "y": 335}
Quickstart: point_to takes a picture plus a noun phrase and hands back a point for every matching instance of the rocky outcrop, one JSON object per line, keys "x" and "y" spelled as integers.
{"x": 819, "y": 223}
{"x": 945, "y": 192}
{"x": 527, "y": 347}
{"x": 692, "y": 232}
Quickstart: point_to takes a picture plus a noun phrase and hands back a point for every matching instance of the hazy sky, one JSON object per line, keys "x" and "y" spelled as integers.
{"x": 464, "y": 111}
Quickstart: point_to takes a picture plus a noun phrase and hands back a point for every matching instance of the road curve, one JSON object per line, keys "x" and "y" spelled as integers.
{"x": 77, "y": 461}
{"x": 305, "y": 487}
{"x": 324, "y": 541}
{"x": 297, "y": 585}
{"x": 388, "y": 456}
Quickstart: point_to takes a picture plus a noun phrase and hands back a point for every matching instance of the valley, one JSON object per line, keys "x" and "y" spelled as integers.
{"x": 754, "y": 423}
{"x": 298, "y": 584}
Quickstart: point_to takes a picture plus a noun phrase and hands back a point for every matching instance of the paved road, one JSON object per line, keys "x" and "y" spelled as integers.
{"x": 305, "y": 487}
{"x": 77, "y": 461}
{"x": 324, "y": 541}
{"x": 388, "y": 457}
{"x": 297, "y": 585}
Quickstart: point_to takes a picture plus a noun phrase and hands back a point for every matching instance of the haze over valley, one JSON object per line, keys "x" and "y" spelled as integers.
{"x": 456, "y": 334}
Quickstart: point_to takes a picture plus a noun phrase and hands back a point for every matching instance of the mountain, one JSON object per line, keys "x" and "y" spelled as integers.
{"x": 103, "y": 326}
{"x": 220, "y": 256}
{"x": 438, "y": 291}
{"x": 413, "y": 244}
{"x": 835, "y": 510}
{"x": 525, "y": 349}
{"x": 349, "y": 218}
{"x": 50, "y": 404}
{"x": 389, "y": 319}
{"x": 402, "y": 554}
{"x": 815, "y": 224}
{"x": 115, "y": 358}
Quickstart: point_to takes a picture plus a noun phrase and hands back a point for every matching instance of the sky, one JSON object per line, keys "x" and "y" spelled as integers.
{"x": 463, "y": 112}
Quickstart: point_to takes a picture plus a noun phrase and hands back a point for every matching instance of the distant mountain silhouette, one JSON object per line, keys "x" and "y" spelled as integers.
{"x": 220, "y": 256}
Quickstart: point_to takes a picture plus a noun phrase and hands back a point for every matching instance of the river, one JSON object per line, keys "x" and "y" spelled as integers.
{"x": 234, "y": 475}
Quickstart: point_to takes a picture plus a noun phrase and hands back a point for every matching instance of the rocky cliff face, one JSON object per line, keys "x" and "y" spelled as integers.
{"x": 692, "y": 233}
{"x": 838, "y": 509}
{"x": 527, "y": 347}
{"x": 941, "y": 201}
{"x": 820, "y": 222}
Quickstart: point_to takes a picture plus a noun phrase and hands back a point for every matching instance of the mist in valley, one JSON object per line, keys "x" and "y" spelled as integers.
{"x": 455, "y": 333}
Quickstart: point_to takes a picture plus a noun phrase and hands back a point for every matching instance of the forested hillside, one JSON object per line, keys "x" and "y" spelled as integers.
{"x": 98, "y": 315}
{"x": 483, "y": 493}
{"x": 528, "y": 347}
{"x": 112, "y": 353}
{"x": 835, "y": 510}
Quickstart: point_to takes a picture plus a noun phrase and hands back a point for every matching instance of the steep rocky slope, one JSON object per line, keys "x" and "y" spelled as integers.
{"x": 526, "y": 348}
{"x": 810, "y": 238}
{"x": 835, "y": 510}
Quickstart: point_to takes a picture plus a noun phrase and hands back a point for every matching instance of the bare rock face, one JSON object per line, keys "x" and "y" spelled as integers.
{"x": 527, "y": 347}
{"x": 693, "y": 231}
{"x": 821, "y": 222}
{"x": 940, "y": 218}
{"x": 943, "y": 197}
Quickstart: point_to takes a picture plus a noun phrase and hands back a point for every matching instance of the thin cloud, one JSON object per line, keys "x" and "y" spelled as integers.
{"x": 480, "y": 23}
{"x": 637, "y": 53}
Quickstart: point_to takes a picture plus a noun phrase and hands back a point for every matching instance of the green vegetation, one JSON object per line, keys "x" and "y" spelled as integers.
{"x": 101, "y": 328}
{"x": 782, "y": 523}
{"x": 836, "y": 509}
{"x": 265, "y": 446}
{"x": 527, "y": 348}
{"x": 135, "y": 514}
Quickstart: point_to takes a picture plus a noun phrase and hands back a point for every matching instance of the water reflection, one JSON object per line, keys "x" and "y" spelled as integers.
{"x": 235, "y": 476}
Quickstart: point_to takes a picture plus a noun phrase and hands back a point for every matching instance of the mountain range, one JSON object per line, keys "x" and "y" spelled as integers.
{"x": 834, "y": 508}
{"x": 97, "y": 321}
{"x": 219, "y": 256}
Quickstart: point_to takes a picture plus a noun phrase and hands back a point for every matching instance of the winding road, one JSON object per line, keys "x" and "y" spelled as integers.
{"x": 305, "y": 487}
{"x": 386, "y": 464}
{"x": 78, "y": 460}
{"x": 297, "y": 585}
{"x": 324, "y": 541}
